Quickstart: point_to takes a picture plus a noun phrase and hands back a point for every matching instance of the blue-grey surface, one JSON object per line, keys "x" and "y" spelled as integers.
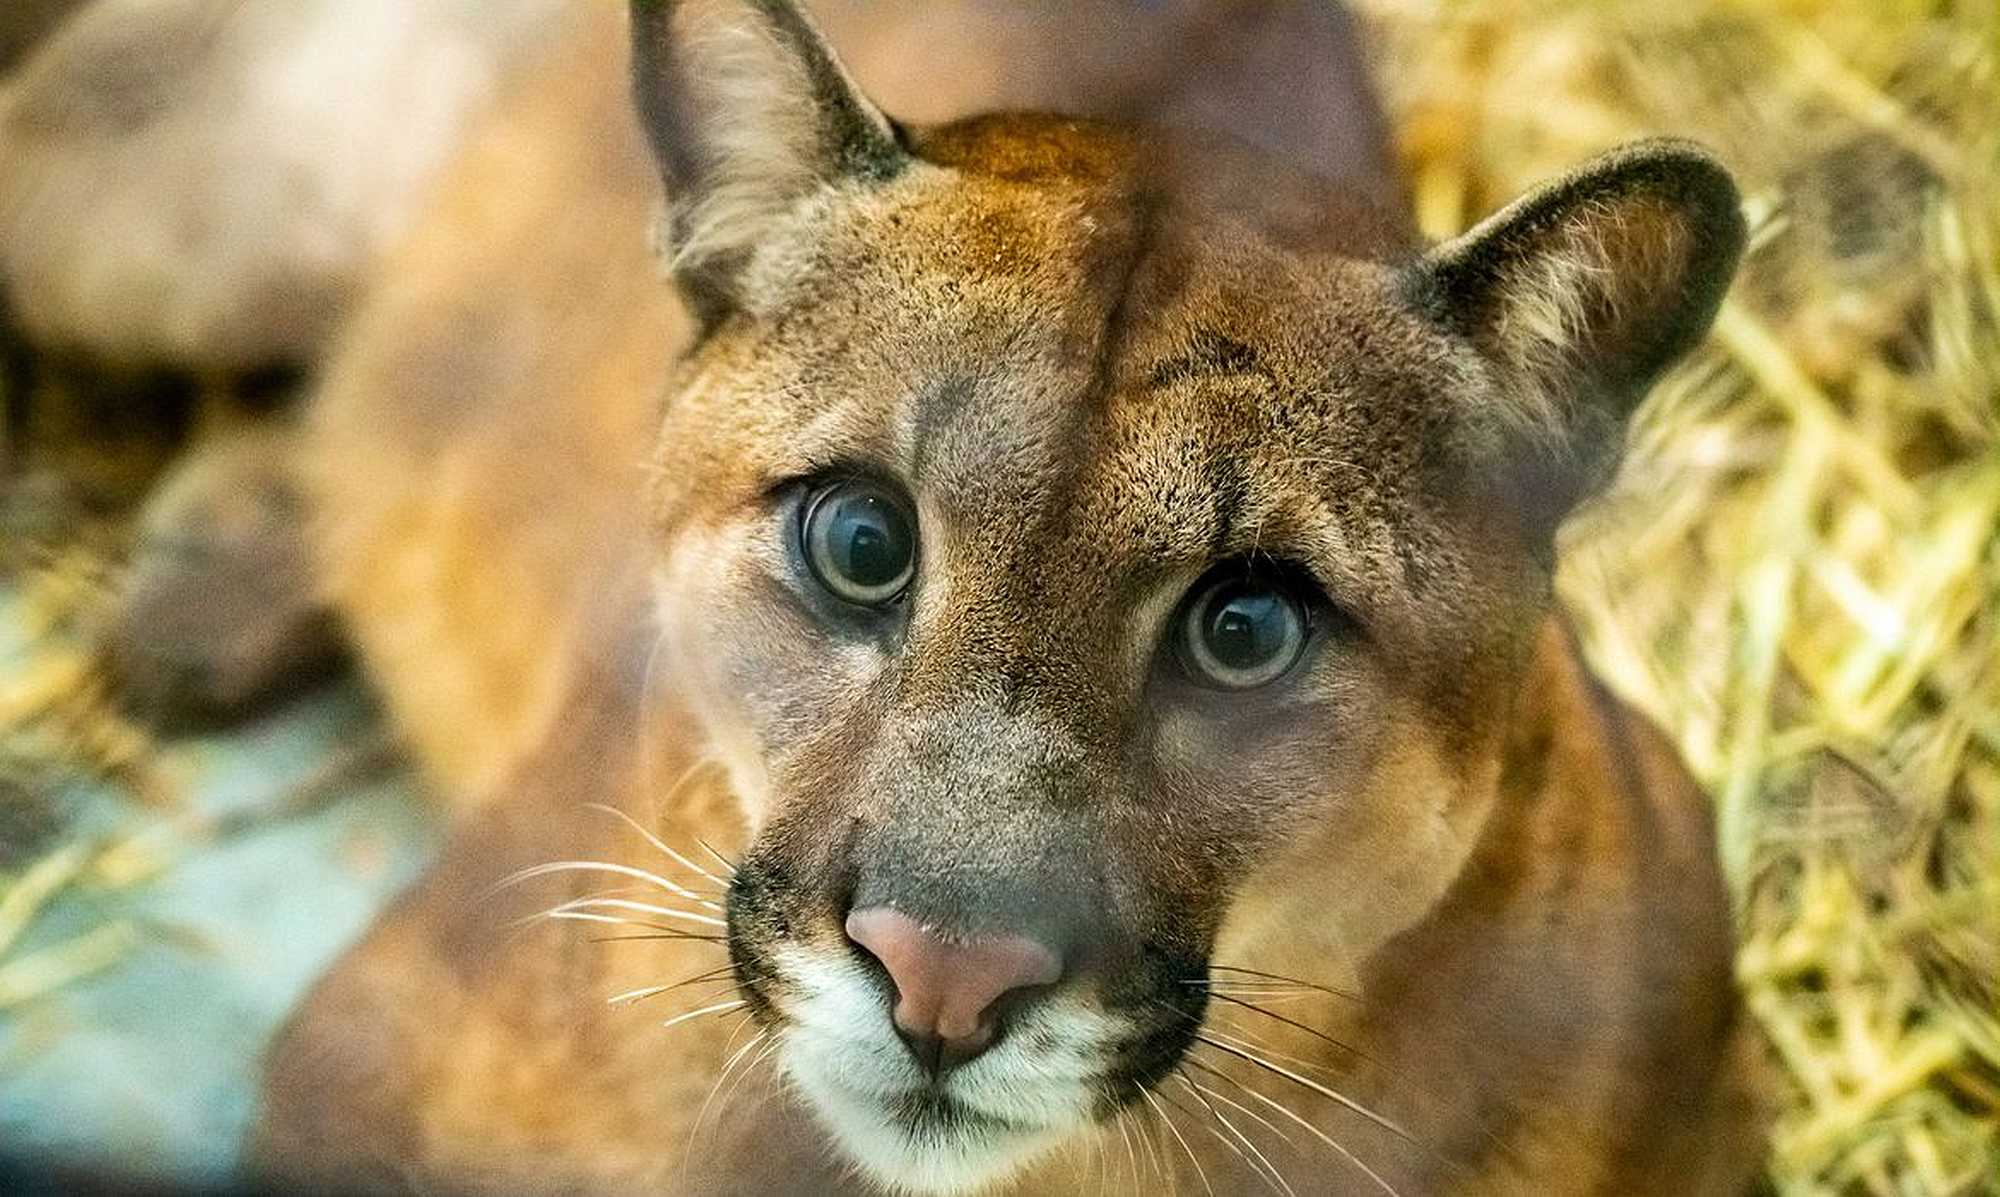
{"x": 151, "y": 1064}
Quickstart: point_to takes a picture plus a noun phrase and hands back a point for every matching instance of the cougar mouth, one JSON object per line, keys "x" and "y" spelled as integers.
{"x": 1042, "y": 1082}
{"x": 1056, "y": 1068}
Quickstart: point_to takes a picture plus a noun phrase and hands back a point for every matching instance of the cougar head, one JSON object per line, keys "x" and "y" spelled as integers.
{"x": 1096, "y": 554}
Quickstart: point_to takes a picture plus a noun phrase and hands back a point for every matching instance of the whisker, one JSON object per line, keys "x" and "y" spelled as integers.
{"x": 1250, "y": 983}
{"x": 1266, "y": 1123}
{"x": 644, "y": 992}
{"x": 1131, "y": 1153}
{"x": 1331, "y": 1094}
{"x": 1217, "y": 1135}
{"x": 1294, "y": 1023}
{"x": 745, "y": 1019}
{"x": 728, "y": 865}
{"x": 632, "y": 996}
{"x": 620, "y": 891}
{"x": 1312, "y": 1130}
{"x": 717, "y": 1008}
{"x": 585, "y": 916}
{"x": 1259, "y": 989}
{"x": 1241, "y": 1037}
{"x": 577, "y": 904}
{"x": 637, "y": 995}
{"x": 694, "y": 1131}
{"x": 656, "y": 842}
{"x": 722, "y": 987}
{"x": 659, "y": 933}
{"x": 1161, "y": 1114}
{"x": 1146, "y": 1140}
{"x": 1251, "y": 972}
{"x": 596, "y": 866}
{"x": 770, "y": 1045}
{"x": 1269, "y": 1170}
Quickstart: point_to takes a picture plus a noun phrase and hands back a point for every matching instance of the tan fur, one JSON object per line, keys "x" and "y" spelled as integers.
{"x": 460, "y": 501}
{"x": 1105, "y": 359}
{"x": 205, "y": 183}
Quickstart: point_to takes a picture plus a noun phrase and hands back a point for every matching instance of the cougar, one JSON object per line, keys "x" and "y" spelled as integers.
{"x": 1026, "y": 662}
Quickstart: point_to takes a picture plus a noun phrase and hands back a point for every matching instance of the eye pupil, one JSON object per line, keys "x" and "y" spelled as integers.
{"x": 866, "y": 547}
{"x": 860, "y": 543}
{"x": 1246, "y": 630}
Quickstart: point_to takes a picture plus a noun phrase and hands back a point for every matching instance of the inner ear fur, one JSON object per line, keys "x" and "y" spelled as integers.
{"x": 1577, "y": 297}
{"x": 749, "y": 113}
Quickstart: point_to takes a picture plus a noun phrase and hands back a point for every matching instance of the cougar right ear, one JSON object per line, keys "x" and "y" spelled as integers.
{"x": 749, "y": 113}
{"x": 1578, "y": 296}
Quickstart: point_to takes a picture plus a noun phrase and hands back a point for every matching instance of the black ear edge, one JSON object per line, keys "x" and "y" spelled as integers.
{"x": 1680, "y": 173}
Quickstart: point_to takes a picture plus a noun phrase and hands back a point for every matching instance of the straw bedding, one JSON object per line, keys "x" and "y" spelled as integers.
{"x": 1799, "y": 572}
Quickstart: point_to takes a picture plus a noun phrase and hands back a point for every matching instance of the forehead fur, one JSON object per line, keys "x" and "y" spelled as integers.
{"x": 1121, "y": 356}
{"x": 1193, "y": 171}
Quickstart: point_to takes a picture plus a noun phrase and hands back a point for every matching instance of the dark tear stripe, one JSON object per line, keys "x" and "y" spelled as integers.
{"x": 1211, "y": 355}
{"x": 1147, "y": 206}
{"x": 1229, "y": 482}
{"x": 936, "y": 413}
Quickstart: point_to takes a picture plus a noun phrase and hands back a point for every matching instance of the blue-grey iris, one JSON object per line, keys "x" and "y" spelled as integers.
{"x": 1241, "y": 633}
{"x": 860, "y": 542}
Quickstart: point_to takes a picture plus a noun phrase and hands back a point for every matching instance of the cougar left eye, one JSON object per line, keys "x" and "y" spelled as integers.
{"x": 1242, "y": 632}
{"x": 860, "y": 542}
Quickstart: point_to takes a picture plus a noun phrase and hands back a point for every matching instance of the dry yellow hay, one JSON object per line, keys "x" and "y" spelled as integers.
{"x": 1799, "y": 573}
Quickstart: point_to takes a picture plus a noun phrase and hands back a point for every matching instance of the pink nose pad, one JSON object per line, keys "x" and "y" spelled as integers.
{"x": 945, "y": 990}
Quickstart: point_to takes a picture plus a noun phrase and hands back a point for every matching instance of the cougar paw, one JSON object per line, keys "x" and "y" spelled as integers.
{"x": 219, "y": 616}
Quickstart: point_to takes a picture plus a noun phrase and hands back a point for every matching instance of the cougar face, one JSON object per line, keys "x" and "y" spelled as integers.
{"x": 1098, "y": 558}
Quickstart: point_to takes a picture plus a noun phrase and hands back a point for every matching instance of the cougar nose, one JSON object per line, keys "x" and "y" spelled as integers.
{"x": 946, "y": 992}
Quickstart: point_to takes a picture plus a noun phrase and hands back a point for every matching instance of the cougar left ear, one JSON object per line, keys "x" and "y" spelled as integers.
{"x": 749, "y": 113}
{"x": 1578, "y": 296}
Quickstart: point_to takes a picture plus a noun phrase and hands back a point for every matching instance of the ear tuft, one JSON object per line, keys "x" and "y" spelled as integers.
{"x": 749, "y": 113}
{"x": 1579, "y": 295}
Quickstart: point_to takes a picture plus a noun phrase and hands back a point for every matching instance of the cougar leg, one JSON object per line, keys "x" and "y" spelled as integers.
{"x": 24, "y": 23}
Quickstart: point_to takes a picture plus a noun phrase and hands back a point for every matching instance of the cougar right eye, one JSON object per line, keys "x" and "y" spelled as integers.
{"x": 860, "y": 541}
{"x": 1241, "y": 632}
